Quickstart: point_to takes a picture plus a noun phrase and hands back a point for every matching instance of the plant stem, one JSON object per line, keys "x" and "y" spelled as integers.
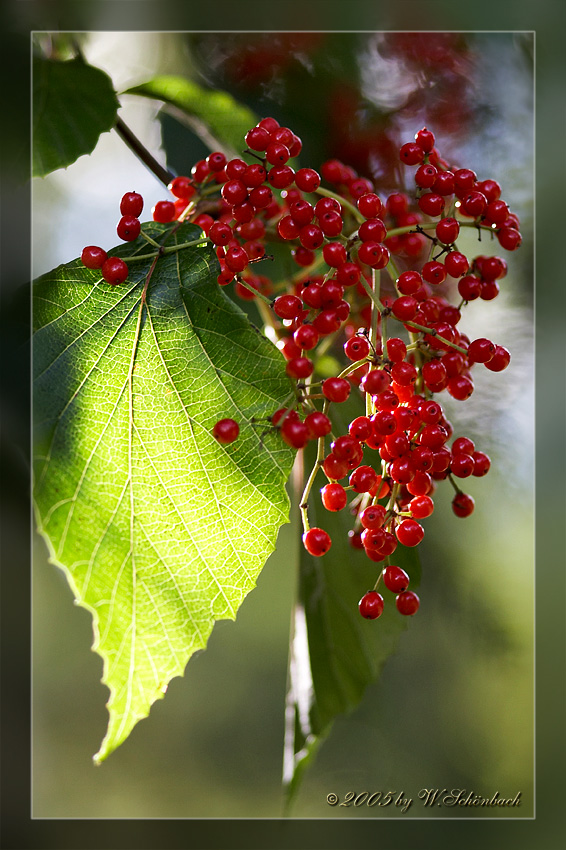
{"x": 163, "y": 174}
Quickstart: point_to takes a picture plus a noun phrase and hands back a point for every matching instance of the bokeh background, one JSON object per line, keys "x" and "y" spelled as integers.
{"x": 217, "y": 736}
{"x": 454, "y": 707}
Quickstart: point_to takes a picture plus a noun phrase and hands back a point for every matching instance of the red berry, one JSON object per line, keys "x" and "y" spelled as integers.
{"x": 363, "y": 479}
{"x": 114, "y": 270}
{"x": 372, "y": 230}
{"x": 481, "y": 350}
{"x": 482, "y": 464}
{"x": 395, "y": 579}
{"x": 421, "y": 506}
{"x": 500, "y": 360}
{"x": 128, "y": 228}
{"x": 431, "y": 203}
{"x": 371, "y": 605}
{"x": 361, "y": 428}
{"x": 425, "y": 176}
{"x": 425, "y": 139}
{"x": 299, "y": 368}
{"x": 295, "y": 433}
{"x": 409, "y": 532}
{"x": 447, "y": 230}
{"x": 307, "y": 179}
{"x": 287, "y": 306}
{"x": 356, "y": 348}
{"x": 319, "y": 424}
{"x": 334, "y": 468}
{"x": 336, "y": 389}
{"x": 317, "y": 542}
{"x": 369, "y": 205}
{"x": 407, "y": 603}
{"x": 509, "y": 238}
{"x": 409, "y": 282}
{"x": 236, "y": 259}
{"x": 434, "y": 272}
{"x": 334, "y": 497}
{"x": 226, "y": 431}
{"x": 473, "y": 204}
{"x": 373, "y": 516}
{"x": 93, "y": 257}
{"x": 258, "y": 138}
{"x": 164, "y": 212}
{"x": 181, "y": 187}
{"x": 462, "y": 505}
{"x": 456, "y": 263}
{"x": 131, "y": 204}
{"x": 411, "y": 153}
{"x": 306, "y": 337}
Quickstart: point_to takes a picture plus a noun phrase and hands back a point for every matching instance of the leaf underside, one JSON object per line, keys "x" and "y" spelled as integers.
{"x": 159, "y": 529}
{"x": 335, "y": 653}
{"x": 73, "y": 103}
{"x": 226, "y": 120}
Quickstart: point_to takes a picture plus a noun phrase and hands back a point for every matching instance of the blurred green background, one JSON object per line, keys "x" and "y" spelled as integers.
{"x": 454, "y": 707}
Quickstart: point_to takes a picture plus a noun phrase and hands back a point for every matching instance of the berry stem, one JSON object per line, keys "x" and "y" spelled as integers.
{"x": 163, "y": 174}
{"x": 432, "y": 332}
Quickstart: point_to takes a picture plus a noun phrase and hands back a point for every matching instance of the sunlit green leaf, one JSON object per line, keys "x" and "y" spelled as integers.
{"x": 223, "y": 118}
{"x": 160, "y": 530}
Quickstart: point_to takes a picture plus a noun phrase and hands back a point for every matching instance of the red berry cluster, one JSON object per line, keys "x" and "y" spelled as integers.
{"x": 369, "y": 262}
{"x": 380, "y": 281}
{"x": 113, "y": 269}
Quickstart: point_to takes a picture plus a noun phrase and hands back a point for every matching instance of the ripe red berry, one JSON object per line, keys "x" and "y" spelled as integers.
{"x": 425, "y": 139}
{"x": 447, "y": 230}
{"x": 334, "y": 497}
{"x": 114, "y": 270}
{"x": 500, "y": 360}
{"x": 182, "y": 187}
{"x": 462, "y": 505}
{"x": 317, "y": 542}
{"x": 395, "y": 579}
{"x": 411, "y": 153}
{"x": 431, "y": 203}
{"x": 421, "y": 506}
{"x": 363, "y": 479}
{"x": 299, "y": 368}
{"x": 295, "y": 433}
{"x": 369, "y": 205}
{"x": 371, "y": 605}
{"x": 356, "y": 348}
{"x": 481, "y": 350}
{"x": 93, "y": 257}
{"x": 407, "y": 603}
{"x": 287, "y": 306}
{"x": 234, "y": 192}
{"x": 164, "y": 212}
{"x": 226, "y": 431}
{"x": 128, "y": 228}
{"x": 409, "y": 532}
{"x": 336, "y": 389}
{"x": 361, "y": 428}
{"x": 131, "y": 204}
{"x": 306, "y": 337}
{"x": 319, "y": 424}
{"x": 307, "y": 179}
{"x": 373, "y": 516}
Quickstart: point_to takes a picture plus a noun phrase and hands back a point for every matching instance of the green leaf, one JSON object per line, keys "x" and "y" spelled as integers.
{"x": 226, "y": 120}
{"x": 335, "y": 653}
{"x": 159, "y": 529}
{"x": 73, "y": 103}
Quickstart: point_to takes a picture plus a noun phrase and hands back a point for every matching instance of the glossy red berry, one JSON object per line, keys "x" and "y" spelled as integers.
{"x": 295, "y": 433}
{"x": 363, "y": 479}
{"x": 356, "y": 348}
{"x": 500, "y": 359}
{"x": 407, "y": 603}
{"x": 334, "y": 497}
{"x": 287, "y": 306}
{"x": 181, "y": 187}
{"x": 462, "y": 505}
{"x": 131, "y": 204}
{"x": 336, "y": 389}
{"x": 373, "y": 516}
{"x": 447, "y": 230}
{"x": 307, "y": 179}
{"x": 164, "y": 212}
{"x": 319, "y": 424}
{"x": 409, "y": 532}
{"x": 411, "y": 153}
{"x": 395, "y": 579}
{"x": 371, "y": 605}
{"x": 369, "y": 205}
{"x": 431, "y": 203}
{"x": 317, "y": 542}
{"x": 226, "y": 431}
{"x": 114, "y": 270}
{"x": 93, "y": 257}
{"x": 128, "y": 228}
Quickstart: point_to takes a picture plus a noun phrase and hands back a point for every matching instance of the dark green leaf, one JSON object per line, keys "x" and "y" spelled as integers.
{"x": 335, "y": 653}
{"x": 73, "y": 103}
{"x": 160, "y": 530}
